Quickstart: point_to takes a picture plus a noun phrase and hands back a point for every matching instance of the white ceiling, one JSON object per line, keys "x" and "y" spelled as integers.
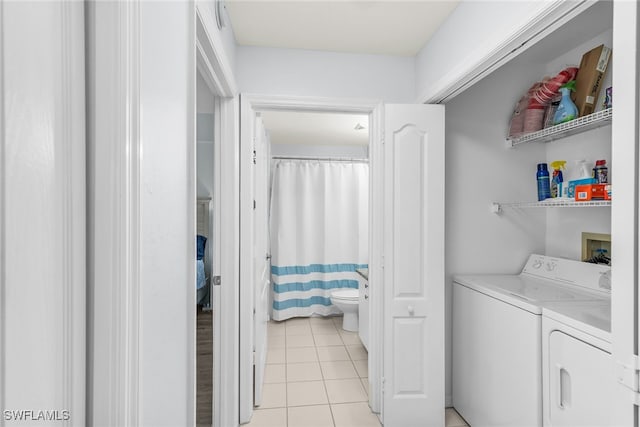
{"x": 389, "y": 27}
{"x": 286, "y": 127}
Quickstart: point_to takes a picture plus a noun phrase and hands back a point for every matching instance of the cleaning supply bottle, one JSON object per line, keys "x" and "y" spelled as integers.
{"x": 544, "y": 190}
{"x": 556, "y": 179}
{"x": 585, "y": 172}
{"x": 567, "y": 110}
{"x": 601, "y": 172}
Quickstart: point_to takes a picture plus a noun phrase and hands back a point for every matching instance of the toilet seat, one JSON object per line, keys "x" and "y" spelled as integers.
{"x": 345, "y": 295}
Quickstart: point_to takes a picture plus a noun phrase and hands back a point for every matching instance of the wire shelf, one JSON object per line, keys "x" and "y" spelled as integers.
{"x": 497, "y": 207}
{"x": 581, "y": 124}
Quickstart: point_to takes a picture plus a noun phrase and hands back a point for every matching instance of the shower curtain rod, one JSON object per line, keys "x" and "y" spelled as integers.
{"x": 321, "y": 159}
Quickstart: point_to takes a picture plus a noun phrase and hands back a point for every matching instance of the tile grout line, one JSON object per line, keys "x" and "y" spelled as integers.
{"x": 286, "y": 378}
{"x": 324, "y": 382}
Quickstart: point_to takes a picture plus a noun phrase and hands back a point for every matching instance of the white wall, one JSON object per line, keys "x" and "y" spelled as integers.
{"x": 204, "y": 137}
{"x": 472, "y": 30}
{"x": 204, "y": 166}
{"x": 320, "y": 151}
{"x": 294, "y": 72}
{"x": 167, "y": 230}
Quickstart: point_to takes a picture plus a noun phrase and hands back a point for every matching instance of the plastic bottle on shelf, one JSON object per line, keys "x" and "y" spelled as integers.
{"x": 567, "y": 110}
{"x": 557, "y": 179}
{"x": 544, "y": 188}
{"x": 601, "y": 172}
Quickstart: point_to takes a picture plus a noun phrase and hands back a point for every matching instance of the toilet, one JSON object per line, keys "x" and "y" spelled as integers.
{"x": 347, "y": 301}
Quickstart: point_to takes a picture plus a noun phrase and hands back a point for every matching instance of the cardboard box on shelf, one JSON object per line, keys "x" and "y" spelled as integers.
{"x": 593, "y": 68}
{"x": 592, "y": 192}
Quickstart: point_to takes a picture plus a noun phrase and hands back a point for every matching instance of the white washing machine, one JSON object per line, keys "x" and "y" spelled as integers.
{"x": 578, "y": 381}
{"x": 497, "y": 337}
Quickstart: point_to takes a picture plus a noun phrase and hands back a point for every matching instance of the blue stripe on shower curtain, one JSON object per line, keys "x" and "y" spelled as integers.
{"x": 286, "y": 292}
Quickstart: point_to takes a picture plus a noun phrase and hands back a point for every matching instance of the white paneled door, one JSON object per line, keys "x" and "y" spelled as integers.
{"x": 42, "y": 214}
{"x": 413, "y": 367}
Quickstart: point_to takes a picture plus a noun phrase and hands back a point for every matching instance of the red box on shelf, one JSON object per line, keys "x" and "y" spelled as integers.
{"x": 587, "y": 192}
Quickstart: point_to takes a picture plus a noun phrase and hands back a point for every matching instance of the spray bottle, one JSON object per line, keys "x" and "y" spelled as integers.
{"x": 556, "y": 179}
{"x": 567, "y": 110}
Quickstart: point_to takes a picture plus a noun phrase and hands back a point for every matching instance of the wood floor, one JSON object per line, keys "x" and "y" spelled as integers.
{"x": 204, "y": 368}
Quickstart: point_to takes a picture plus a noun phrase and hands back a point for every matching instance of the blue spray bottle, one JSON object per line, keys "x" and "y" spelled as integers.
{"x": 567, "y": 110}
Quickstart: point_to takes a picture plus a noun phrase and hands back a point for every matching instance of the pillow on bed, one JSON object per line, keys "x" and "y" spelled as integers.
{"x": 202, "y": 243}
{"x": 201, "y": 278}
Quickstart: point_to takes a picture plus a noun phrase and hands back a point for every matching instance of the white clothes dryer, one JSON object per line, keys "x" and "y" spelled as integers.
{"x": 496, "y": 337}
{"x": 578, "y": 382}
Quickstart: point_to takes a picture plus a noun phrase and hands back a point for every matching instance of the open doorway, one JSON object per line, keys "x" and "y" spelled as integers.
{"x": 319, "y": 220}
{"x": 207, "y": 255}
{"x": 406, "y": 297}
{"x": 325, "y": 149}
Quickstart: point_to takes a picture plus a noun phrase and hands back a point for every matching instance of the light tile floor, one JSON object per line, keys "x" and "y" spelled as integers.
{"x": 317, "y": 376}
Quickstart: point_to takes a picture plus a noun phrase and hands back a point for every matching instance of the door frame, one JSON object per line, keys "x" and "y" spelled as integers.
{"x": 115, "y": 385}
{"x": 213, "y": 65}
{"x": 252, "y": 104}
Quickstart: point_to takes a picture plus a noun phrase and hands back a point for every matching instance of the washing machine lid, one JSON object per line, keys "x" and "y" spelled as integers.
{"x": 544, "y": 279}
{"x": 591, "y": 317}
{"x": 524, "y": 291}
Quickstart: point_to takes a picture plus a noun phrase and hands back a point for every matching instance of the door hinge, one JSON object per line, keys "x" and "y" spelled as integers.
{"x": 254, "y": 204}
{"x": 216, "y": 280}
{"x": 255, "y": 156}
{"x": 628, "y": 375}
{"x": 382, "y": 380}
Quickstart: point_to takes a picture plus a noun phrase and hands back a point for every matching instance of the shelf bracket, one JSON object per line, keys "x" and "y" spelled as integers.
{"x": 496, "y": 208}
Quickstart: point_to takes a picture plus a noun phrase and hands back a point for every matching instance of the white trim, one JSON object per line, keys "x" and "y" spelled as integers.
{"x": 230, "y": 264}
{"x": 73, "y": 182}
{"x": 250, "y": 105}
{"x": 132, "y": 233}
{"x": 211, "y": 48}
{"x": 625, "y": 209}
{"x": 247, "y": 302}
{"x": 484, "y": 61}
{"x": 191, "y": 229}
{"x": 114, "y": 214}
{"x": 376, "y": 258}
{"x": 3, "y": 243}
{"x": 213, "y": 66}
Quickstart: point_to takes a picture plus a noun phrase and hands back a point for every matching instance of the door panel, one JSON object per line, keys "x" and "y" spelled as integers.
{"x": 414, "y": 266}
{"x": 43, "y": 199}
{"x": 581, "y": 384}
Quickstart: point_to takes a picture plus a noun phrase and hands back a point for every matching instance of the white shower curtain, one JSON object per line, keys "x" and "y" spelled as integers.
{"x": 319, "y": 233}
